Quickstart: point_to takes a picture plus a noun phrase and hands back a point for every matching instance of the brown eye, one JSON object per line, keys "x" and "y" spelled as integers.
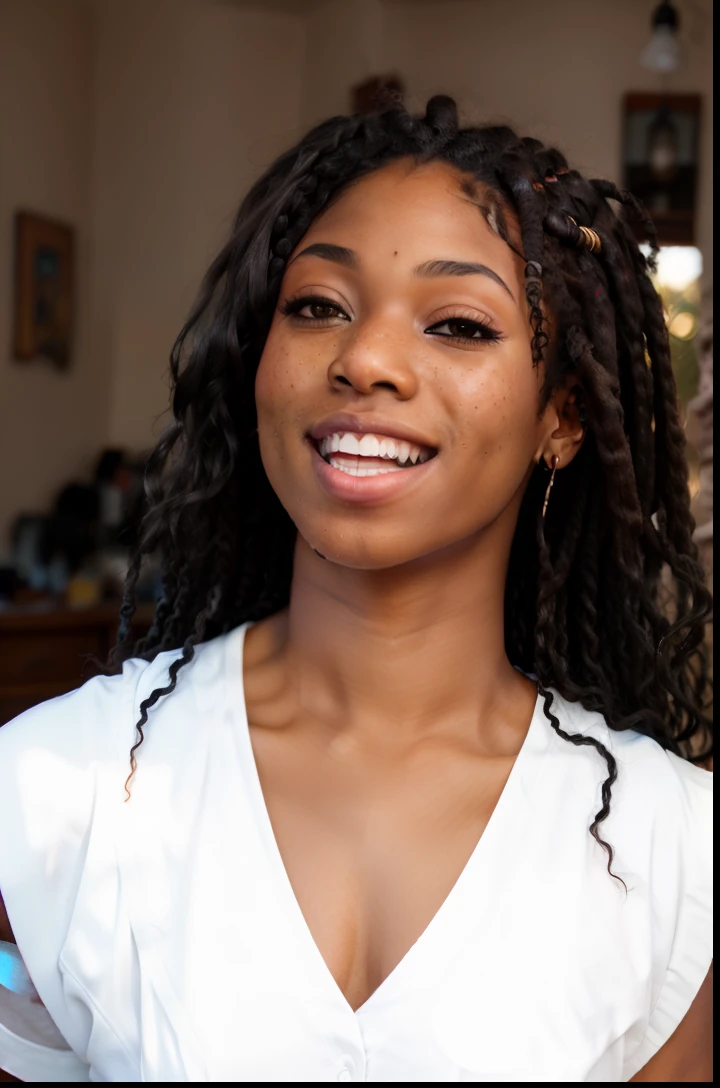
{"x": 308, "y": 308}
{"x": 322, "y": 310}
{"x": 463, "y": 329}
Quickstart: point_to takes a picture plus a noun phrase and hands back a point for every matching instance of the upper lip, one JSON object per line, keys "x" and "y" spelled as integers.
{"x": 343, "y": 421}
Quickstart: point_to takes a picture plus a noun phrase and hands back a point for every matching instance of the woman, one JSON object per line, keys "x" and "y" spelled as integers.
{"x": 412, "y": 792}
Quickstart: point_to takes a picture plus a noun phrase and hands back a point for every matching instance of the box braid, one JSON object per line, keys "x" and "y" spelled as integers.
{"x": 584, "y": 600}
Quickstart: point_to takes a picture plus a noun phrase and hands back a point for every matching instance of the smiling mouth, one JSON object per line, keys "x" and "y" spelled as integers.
{"x": 370, "y": 454}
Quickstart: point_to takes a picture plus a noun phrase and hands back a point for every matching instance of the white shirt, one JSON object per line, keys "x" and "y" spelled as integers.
{"x": 165, "y": 940}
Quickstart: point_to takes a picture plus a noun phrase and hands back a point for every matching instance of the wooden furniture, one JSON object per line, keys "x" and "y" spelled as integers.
{"x": 43, "y": 654}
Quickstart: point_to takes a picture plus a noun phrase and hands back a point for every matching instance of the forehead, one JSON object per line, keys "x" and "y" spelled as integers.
{"x": 418, "y": 212}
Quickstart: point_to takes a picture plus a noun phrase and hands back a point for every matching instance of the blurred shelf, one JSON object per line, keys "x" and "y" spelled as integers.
{"x": 49, "y": 652}
{"x": 51, "y": 617}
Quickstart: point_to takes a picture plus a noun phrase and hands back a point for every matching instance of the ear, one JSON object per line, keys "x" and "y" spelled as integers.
{"x": 564, "y": 421}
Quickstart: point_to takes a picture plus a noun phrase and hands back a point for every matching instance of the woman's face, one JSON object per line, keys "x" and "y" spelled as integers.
{"x": 397, "y": 401}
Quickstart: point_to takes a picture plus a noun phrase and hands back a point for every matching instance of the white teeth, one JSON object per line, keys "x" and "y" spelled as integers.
{"x": 362, "y": 470}
{"x": 349, "y": 444}
{"x": 373, "y": 445}
{"x": 388, "y": 448}
{"x": 368, "y": 446}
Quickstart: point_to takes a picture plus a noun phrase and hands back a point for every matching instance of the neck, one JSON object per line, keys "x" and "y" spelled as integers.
{"x": 413, "y": 647}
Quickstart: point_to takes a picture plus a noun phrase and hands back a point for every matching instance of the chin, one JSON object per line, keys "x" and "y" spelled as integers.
{"x": 372, "y": 549}
{"x": 355, "y": 556}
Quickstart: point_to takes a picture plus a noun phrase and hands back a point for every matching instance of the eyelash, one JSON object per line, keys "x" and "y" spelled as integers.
{"x": 488, "y": 335}
{"x": 292, "y": 307}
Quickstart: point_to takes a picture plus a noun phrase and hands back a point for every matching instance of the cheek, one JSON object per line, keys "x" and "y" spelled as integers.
{"x": 289, "y": 376}
{"x": 275, "y": 401}
{"x": 498, "y": 402}
{"x": 283, "y": 379}
{"x": 275, "y": 380}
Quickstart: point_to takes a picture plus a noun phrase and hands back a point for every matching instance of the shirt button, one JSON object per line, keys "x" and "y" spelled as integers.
{"x": 344, "y": 1075}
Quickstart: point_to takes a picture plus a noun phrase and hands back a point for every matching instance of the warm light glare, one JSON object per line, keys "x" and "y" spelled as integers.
{"x": 683, "y": 326}
{"x": 677, "y": 266}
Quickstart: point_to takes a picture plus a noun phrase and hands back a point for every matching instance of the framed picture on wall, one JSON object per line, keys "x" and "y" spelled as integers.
{"x": 660, "y": 160}
{"x": 44, "y": 289}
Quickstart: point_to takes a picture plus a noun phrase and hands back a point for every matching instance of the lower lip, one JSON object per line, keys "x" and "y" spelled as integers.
{"x": 368, "y": 489}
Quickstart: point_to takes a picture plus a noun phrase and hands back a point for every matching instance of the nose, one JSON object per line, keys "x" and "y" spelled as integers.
{"x": 377, "y": 356}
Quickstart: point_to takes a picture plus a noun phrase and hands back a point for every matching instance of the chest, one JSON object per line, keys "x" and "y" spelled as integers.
{"x": 373, "y": 843}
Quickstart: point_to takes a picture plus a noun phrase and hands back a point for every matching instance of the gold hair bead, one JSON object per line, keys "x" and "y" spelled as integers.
{"x": 591, "y": 239}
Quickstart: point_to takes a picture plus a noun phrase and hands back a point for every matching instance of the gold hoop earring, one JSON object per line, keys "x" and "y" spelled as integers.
{"x": 549, "y": 486}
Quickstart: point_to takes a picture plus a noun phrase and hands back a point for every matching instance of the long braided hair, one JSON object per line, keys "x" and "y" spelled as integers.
{"x": 605, "y": 597}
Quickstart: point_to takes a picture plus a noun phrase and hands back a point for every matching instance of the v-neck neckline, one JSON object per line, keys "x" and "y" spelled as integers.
{"x": 235, "y": 686}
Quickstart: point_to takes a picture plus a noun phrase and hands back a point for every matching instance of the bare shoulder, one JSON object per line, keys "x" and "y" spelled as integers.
{"x": 264, "y": 641}
{"x": 688, "y": 1053}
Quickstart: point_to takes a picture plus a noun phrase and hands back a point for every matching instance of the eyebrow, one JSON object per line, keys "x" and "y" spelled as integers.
{"x": 460, "y": 268}
{"x": 348, "y": 259}
{"x": 337, "y": 254}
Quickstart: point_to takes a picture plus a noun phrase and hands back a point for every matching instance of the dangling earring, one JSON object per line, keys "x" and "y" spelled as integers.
{"x": 555, "y": 460}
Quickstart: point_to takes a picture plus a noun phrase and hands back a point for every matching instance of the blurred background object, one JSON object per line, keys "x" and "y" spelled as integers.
{"x": 78, "y": 551}
{"x": 663, "y": 53}
{"x": 660, "y": 160}
{"x": 44, "y": 268}
{"x": 700, "y": 433}
{"x": 137, "y": 125}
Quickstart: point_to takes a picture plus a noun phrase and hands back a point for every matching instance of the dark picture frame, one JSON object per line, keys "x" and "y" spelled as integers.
{"x": 661, "y": 139}
{"x": 44, "y": 289}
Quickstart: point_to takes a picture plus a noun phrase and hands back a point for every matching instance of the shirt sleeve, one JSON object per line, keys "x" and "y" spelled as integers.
{"x": 31, "y": 1047}
{"x": 690, "y": 955}
{"x": 52, "y": 759}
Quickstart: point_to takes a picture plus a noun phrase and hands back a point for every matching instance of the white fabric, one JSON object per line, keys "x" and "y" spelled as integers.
{"x": 166, "y": 943}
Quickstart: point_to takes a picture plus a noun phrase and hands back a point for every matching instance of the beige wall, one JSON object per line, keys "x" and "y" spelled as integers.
{"x": 51, "y": 423}
{"x": 193, "y": 101}
{"x": 142, "y": 123}
{"x": 346, "y": 43}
